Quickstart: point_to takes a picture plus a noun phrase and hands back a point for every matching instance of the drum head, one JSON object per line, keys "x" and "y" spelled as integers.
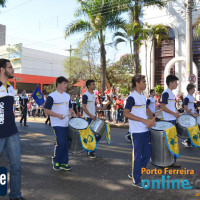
{"x": 187, "y": 121}
{"x": 198, "y": 120}
{"x": 162, "y": 125}
{"x": 78, "y": 123}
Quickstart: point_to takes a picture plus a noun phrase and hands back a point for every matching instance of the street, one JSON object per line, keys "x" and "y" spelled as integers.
{"x": 102, "y": 178}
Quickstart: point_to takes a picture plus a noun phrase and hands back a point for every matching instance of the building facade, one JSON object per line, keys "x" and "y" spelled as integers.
{"x": 33, "y": 67}
{"x": 155, "y": 60}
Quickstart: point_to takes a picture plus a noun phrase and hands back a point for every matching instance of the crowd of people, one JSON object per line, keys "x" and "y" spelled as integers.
{"x": 114, "y": 104}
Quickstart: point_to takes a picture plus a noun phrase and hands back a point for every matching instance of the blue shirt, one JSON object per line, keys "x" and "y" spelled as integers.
{"x": 7, "y": 118}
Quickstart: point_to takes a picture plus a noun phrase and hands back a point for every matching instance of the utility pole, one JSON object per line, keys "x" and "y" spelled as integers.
{"x": 189, "y": 56}
{"x": 70, "y": 57}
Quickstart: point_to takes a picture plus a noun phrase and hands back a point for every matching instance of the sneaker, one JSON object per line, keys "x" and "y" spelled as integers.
{"x": 25, "y": 125}
{"x": 91, "y": 155}
{"x": 128, "y": 138}
{"x": 185, "y": 144}
{"x": 56, "y": 166}
{"x": 21, "y": 198}
{"x": 20, "y": 124}
{"x": 130, "y": 176}
{"x": 139, "y": 185}
{"x": 65, "y": 167}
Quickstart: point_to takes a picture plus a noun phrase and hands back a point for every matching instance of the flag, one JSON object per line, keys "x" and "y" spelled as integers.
{"x": 172, "y": 141}
{"x": 38, "y": 96}
{"x": 194, "y": 135}
{"x": 88, "y": 139}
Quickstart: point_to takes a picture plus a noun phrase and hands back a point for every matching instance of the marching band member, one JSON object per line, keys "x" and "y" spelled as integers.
{"x": 151, "y": 102}
{"x": 89, "y": 108}
{"x": 189, "y": 108}
{"x": 58, "y": 106}
{"x": 168, "y": 104}
{"x": 135, "y": 111}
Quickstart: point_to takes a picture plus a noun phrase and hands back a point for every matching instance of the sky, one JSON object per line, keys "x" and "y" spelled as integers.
{"x": 40, "y": 24}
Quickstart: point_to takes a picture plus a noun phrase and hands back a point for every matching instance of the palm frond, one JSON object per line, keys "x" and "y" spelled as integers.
{"x": 90, "y": 35}
{"x": 119, "y": 40}
{"x": 196, "y": 27}
{"x": 77, "y": 26}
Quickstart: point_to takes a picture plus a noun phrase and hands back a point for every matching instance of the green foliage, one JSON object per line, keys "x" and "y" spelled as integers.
{"x": 2, "y": 3}
{"x": 50, "y": 88}
{"x": 120, "y": 73}
{"x": 159, "y": 89}
{"x": 124, "y": 91}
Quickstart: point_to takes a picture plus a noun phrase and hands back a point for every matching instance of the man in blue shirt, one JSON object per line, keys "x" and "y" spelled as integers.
{"x": 9, "y": 136}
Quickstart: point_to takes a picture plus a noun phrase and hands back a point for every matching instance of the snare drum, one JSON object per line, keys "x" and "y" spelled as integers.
{"x": 98, "y": 127}
{"x": 183, "y": 122}
{"x": 73, "y": 137}
{"x": 160, "y": 154}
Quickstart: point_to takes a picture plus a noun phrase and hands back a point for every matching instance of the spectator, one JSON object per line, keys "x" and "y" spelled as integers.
{"x": 23, "y": 99}
{"x": 107, "y": 104}
{"x": 120, "y": 105}
{"x": 99, "y": 105}
{"x": 78, "y": 105}
{"x": 113, "y": 109}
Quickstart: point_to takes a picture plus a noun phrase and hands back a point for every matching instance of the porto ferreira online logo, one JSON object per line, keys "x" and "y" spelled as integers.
{"x": 3, "y": 181}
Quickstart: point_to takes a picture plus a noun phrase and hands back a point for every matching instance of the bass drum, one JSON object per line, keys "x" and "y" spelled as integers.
{"x": 73, "y": 137}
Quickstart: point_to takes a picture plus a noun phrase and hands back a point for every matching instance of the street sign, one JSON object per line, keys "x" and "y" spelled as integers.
{"x": 192, "y": 78}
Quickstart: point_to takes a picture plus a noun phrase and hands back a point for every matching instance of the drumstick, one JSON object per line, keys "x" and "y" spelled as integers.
{"x": 156, "y": 115}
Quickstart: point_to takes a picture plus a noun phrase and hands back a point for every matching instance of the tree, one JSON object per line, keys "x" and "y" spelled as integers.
{"x": 157, "y": 34}
{"x": 2, "y": 3}
{"x": 119, "y": 74}
{"x": 127, "y": 35}
{"x": 196, "y": 27}
{"x": 134, "y": 8}
{"x": 100, "y": 16}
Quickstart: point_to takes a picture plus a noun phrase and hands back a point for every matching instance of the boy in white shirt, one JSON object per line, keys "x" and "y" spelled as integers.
{"x": 168, "y": 104}
{"x": 189, "y": 108}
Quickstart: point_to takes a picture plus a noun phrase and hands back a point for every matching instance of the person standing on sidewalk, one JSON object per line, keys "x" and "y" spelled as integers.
{"x": 9, "y": 136}
{"x": 120, "y": 105}
{"x": 89, "y": 108}
{"x": 58, "y": 106}
{"x": 23, "y": 100}
{"x": 136, "y": 112}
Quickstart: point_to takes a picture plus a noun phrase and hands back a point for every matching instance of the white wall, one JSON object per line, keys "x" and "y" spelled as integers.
{"x": 173, "y": 16}
{"x": 35, "y": 62}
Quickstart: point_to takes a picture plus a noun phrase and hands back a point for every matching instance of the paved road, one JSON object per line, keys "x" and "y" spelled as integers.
{"x": 103, "y": 178}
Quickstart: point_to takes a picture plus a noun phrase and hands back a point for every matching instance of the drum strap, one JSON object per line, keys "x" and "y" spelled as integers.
{"x": 139, "y": 97}
{"x": 63, "y": 101}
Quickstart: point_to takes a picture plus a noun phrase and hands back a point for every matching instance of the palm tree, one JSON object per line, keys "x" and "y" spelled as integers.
{"x": 100, "y": 16}
{"x": 157, "y": 34}
{"x": 196, "y": 27}
{"x": 2, "y": 3}
{"x": 127, "y": 35}
{"x": 134, "y": 8}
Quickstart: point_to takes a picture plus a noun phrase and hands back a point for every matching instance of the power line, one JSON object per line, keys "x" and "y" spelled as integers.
{"x": 15, "y": 7}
